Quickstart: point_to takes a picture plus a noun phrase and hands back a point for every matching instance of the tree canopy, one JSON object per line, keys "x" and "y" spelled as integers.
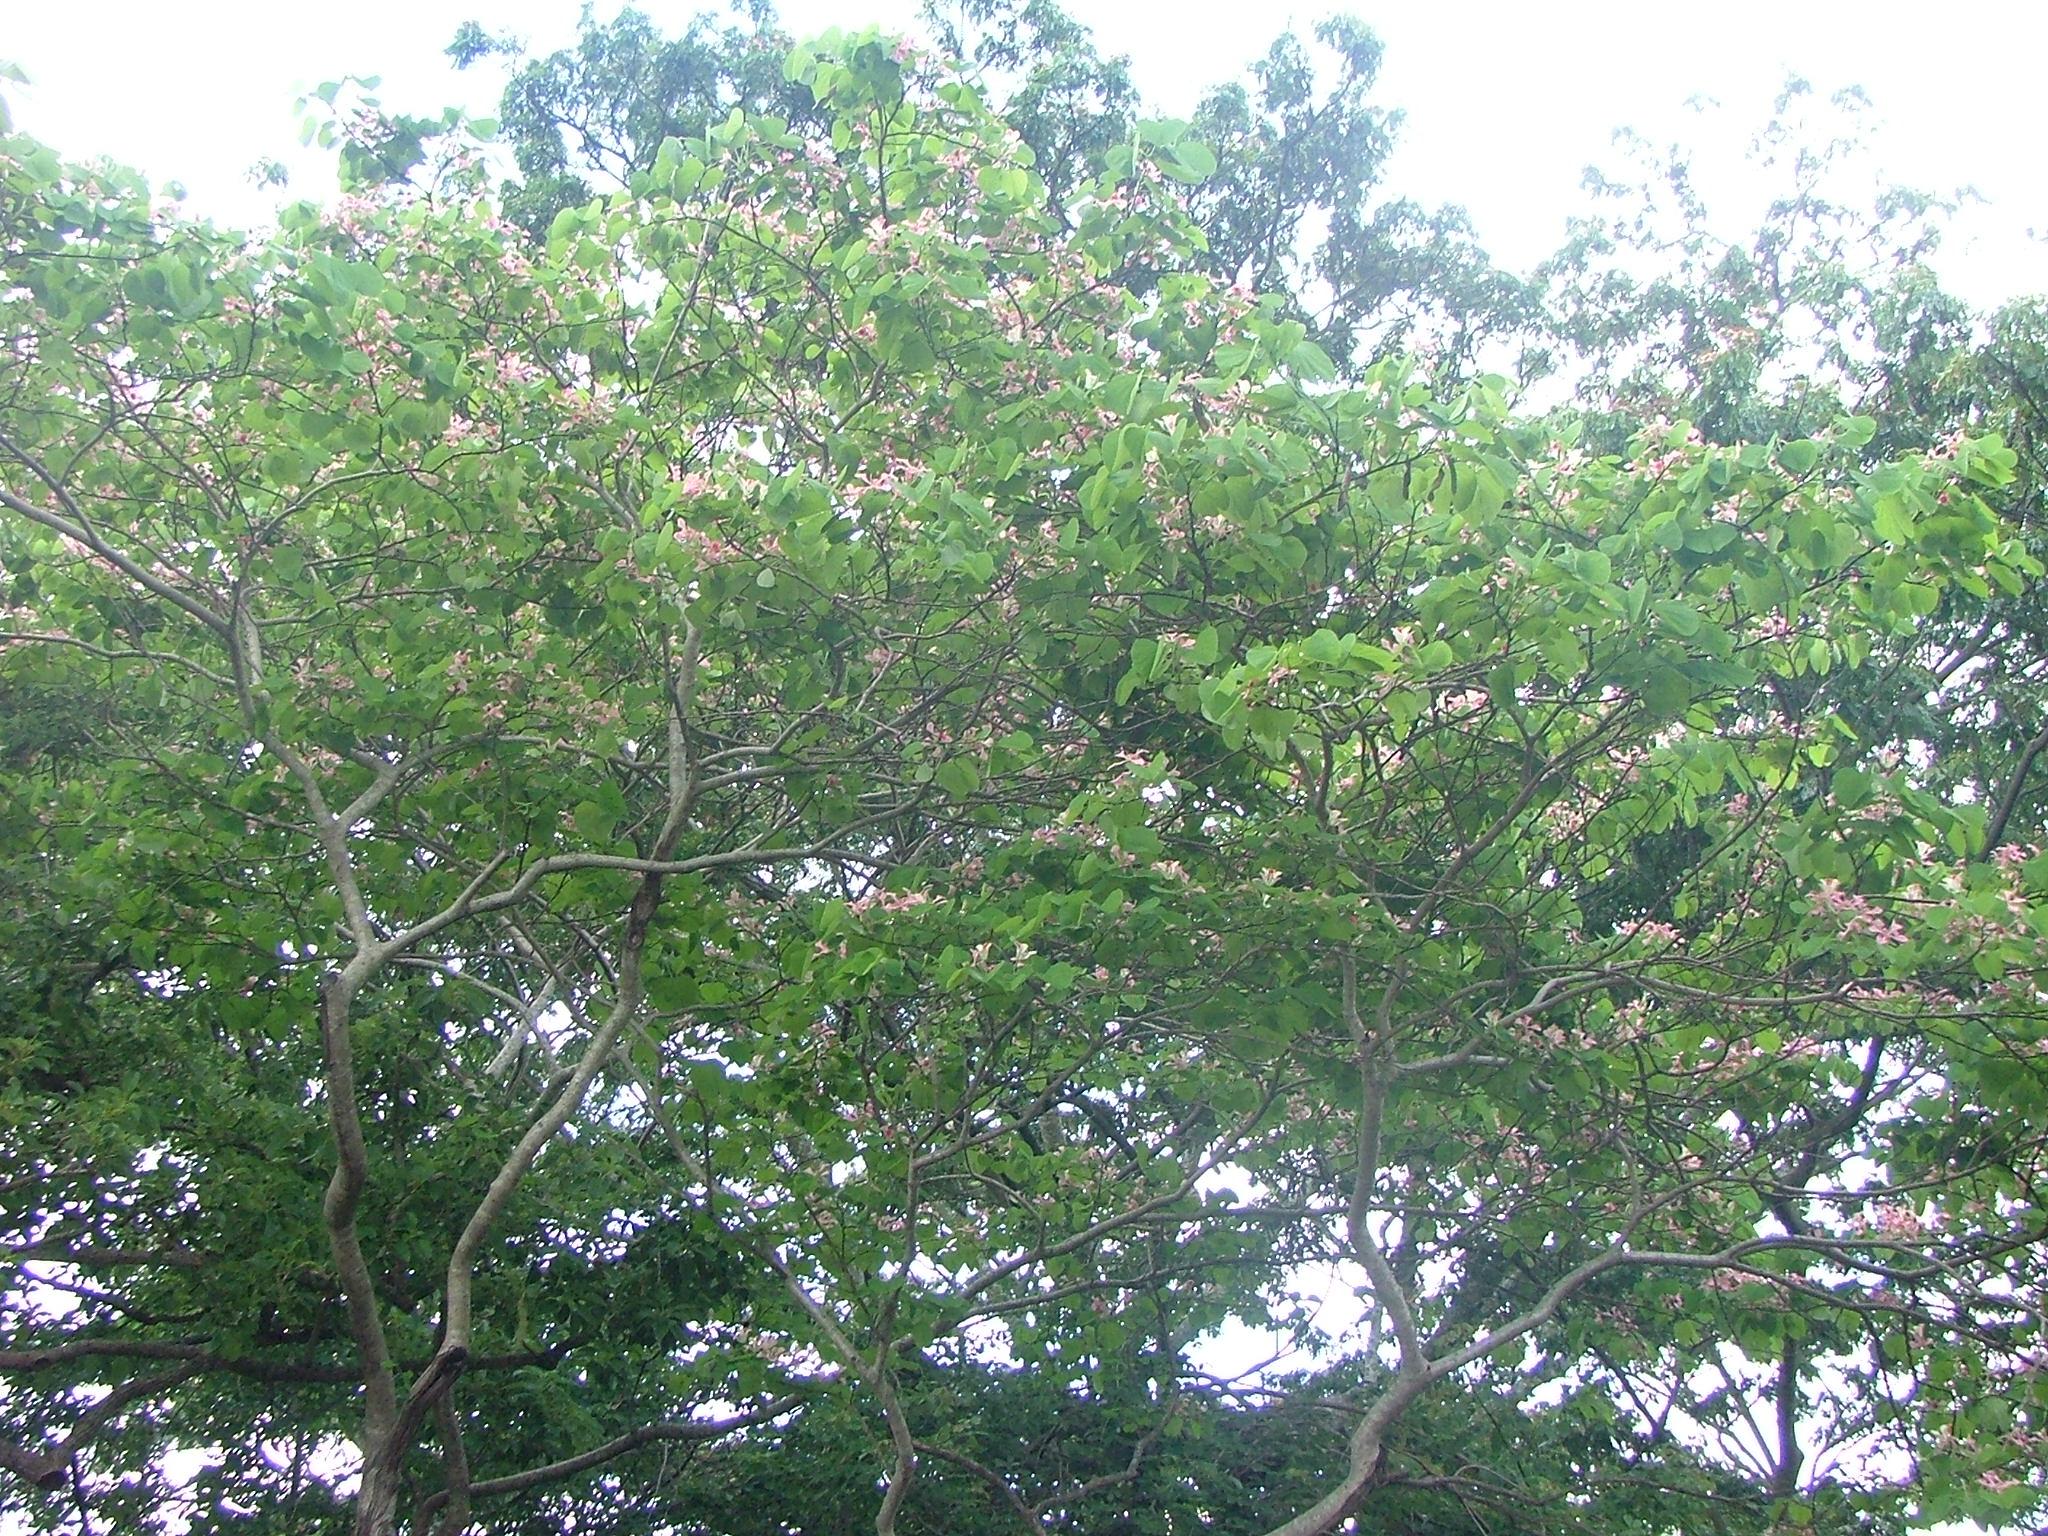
{"x": 828, "y": 817}
{"x": 1284, "y": 184}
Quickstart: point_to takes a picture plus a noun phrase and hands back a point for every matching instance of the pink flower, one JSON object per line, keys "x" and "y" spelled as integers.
{"x": 1466, "y": 701}
{"x": 510, "y": 367}
{"x": 1650, "y": 932}
{"x": 711, "y": 550}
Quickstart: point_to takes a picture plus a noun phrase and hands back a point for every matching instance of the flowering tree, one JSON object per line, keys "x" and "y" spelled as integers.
{"x": 661, "y": 840}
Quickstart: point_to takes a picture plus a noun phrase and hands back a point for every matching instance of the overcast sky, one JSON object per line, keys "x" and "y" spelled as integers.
{"x": 1506, "y": 103}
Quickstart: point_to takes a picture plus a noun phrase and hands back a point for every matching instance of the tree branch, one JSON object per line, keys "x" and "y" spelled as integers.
{"x": 1994, "y": 829}
{"x": 685, "y": 1431}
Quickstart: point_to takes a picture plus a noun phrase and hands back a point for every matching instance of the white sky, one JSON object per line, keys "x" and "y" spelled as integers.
{"x": 1506, "y": 102}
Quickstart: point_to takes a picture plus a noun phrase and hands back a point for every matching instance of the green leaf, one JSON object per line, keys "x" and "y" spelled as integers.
{"x": 1190, "y": 160}
{"x": 958, "y": 777}
{"x": 1799, "y": 456}
{"x": 1677, "y": 617}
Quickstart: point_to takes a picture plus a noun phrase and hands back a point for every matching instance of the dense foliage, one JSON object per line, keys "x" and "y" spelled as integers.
{"x": 823, "y": 821}
{"x": 1831, "y": 306}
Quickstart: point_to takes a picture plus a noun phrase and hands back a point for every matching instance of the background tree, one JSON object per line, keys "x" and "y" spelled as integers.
{"x": 1286, "y": 170}
{"x": 586, "y": 118}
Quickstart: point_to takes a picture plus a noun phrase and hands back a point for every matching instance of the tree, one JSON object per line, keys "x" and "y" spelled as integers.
{"x": 1829, "y": 307}
{"x": 1286, "y": 170}
{"x": 799, "y": 810}
{"x": 588, "y": 117}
